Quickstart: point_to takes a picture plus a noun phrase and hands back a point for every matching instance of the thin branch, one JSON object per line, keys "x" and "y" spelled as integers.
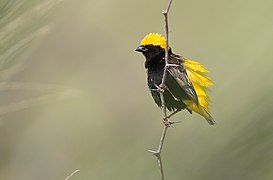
{"x": 165, "y": 14}
{"x": 169, "y": 6}
{"x": 157, "y": 153}
{"x": 161, "y": 90}
{"x": 74, "y": 172}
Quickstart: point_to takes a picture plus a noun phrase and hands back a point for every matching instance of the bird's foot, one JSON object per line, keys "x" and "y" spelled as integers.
{"x": 167, "y": 122}
{"x": 160, "y": 88}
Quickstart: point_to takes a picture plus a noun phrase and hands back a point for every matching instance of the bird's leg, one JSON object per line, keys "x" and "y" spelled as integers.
{"x": 173, "y": 113}
{"x": 166, "y": 120}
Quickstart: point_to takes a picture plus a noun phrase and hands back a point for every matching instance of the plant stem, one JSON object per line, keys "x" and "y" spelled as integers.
{"x": 161, "y": 90}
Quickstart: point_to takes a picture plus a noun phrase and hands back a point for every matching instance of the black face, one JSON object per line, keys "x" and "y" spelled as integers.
{"x": 153, "y": 55}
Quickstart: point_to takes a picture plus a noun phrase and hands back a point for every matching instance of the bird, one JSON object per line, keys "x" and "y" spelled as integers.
{"x": 186, "y": 83}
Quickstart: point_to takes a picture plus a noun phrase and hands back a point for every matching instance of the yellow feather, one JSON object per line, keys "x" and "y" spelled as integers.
{"x": 197, "y": 75}
{"x": 199, "y": 78}
{"x": 196, "y": 66}
{"x": 154, "y": 39}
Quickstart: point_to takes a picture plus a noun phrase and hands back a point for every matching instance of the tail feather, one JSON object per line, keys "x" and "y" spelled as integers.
{"x": 208, "y": 117}
{"x": 211, "y": 122}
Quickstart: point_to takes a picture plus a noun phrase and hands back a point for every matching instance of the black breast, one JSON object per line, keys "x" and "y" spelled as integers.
{"x": 154, "y": 80}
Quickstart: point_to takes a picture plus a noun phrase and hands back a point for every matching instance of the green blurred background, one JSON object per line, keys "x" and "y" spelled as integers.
{"x": 73, "y": 91}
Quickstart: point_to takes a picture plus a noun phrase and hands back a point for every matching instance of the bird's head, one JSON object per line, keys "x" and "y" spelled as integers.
{"x": 152, "y": 47}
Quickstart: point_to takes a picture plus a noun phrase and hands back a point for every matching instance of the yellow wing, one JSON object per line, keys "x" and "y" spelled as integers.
{"x": 197, "y": 74}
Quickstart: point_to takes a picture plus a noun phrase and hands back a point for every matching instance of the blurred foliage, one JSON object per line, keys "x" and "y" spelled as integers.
{"x": 74, "y": 96}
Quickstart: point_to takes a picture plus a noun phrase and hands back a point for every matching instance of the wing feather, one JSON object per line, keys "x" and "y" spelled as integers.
{"x": 183, "y": 81}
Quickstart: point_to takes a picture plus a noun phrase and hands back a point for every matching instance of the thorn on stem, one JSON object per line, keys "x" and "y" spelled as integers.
{"x": 172, "y": 65}
{"x": 156, "y": 153}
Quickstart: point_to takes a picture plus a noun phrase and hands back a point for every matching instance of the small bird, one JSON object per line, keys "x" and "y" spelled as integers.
{"x": 186, "y": 82}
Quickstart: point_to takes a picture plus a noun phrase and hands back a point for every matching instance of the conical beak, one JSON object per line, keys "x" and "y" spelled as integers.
{"x": 141, "y": 49}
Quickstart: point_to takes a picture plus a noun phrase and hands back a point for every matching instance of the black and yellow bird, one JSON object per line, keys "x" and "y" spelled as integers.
{"x": 186, "y": 81}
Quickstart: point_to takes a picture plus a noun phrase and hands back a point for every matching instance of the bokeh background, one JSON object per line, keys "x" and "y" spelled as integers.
{"x": 73, "y": 91}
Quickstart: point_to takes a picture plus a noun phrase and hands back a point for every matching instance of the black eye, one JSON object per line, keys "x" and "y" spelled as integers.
{"x": 151, "y": 48}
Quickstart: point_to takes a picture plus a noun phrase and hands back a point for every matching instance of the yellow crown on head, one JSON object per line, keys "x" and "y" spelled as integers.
{"x": 154, "y": 39}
